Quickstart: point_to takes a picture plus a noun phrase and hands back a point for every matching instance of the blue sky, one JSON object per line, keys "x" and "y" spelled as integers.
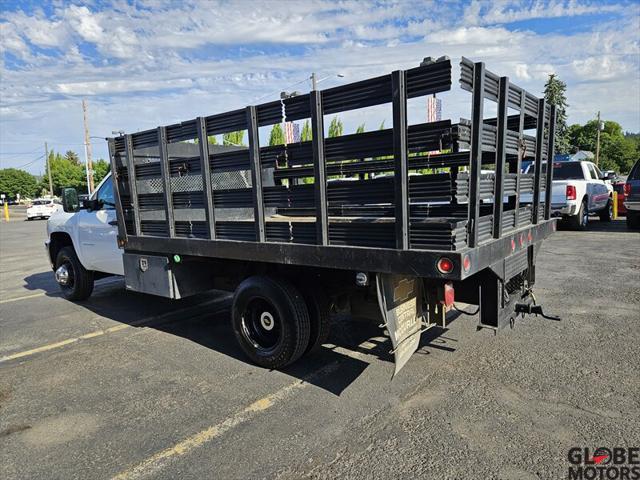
{"x": 145, "y": 63}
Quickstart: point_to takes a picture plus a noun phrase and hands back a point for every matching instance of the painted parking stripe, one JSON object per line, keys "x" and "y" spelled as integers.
{"x": 54, "y": 294}
{"x": 158, "y": 461}
{"x": 24, "y": 297}
{"x": 152, "y": 320}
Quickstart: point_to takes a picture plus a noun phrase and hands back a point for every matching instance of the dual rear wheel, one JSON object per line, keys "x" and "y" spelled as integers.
{"x": 276, "y": 323}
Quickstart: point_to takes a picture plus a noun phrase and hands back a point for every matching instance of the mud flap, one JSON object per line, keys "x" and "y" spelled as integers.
{"x": 400, "y": 299}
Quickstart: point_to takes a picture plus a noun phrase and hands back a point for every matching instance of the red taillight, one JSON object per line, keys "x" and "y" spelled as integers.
{"x": 445, "y": 265}
{"x": 449, "y": 294}
{"x": 627, "y": 189}
{"x": 466, "y": 263}
{"x": 571, "y": 192}
{"x": 513, "y": 245}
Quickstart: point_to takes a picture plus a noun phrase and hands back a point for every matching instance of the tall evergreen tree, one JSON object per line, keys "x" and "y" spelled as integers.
{"x": 276, "y": 137}
{"x": 306, "y": 135}
{"x": 335, "y": 127}
{"x": 72, "y": 156}
{"x": 554, "y": 94}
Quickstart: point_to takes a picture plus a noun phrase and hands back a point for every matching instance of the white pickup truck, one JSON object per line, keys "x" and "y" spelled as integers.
{"x": 82, "y": 246}
{"x": 579, "y": 189}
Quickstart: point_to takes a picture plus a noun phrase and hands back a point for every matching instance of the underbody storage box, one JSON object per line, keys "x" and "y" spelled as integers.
{"x": 158, "y": 275}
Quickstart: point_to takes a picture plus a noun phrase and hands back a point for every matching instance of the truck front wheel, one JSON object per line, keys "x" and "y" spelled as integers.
{"x": 74, "y": 280}
{"x": 270, "y": 321}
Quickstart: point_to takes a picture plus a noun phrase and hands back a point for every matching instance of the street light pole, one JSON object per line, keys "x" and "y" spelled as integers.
{"x": 598, "y": 141}
{"x": 314, "y": 81}
{"x": 87, "y": 148}
{"x": 46, "y": 155}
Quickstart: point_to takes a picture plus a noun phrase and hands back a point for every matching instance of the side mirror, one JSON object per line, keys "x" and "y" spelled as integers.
{"x": 91, "y": 205}
{"x": 70, "y": 202}
{"x": 611, "y": 176}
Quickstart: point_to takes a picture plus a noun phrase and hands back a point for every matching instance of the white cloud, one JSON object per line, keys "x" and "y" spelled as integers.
{"x": 162, "y": 63}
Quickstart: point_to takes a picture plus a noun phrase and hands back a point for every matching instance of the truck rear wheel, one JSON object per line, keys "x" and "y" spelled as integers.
{"x": 581, "y": 219}
{"x": 318, "y": 307}
{"x": 270, "y": 321}
{"x": 74, "y": 280}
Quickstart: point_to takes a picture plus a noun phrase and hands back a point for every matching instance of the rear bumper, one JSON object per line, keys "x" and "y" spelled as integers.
{"x": 563, "y": 209}
{"x": 632, "y": 206}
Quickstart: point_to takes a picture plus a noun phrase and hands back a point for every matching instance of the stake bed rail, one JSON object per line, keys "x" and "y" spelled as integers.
{"x": 393, "y": 200}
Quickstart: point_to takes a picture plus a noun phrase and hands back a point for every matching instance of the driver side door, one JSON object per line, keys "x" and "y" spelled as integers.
{"x": 98, "y": 234}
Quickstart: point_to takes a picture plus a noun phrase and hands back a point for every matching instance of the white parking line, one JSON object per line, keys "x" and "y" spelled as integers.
{"x": 151, "y": 320}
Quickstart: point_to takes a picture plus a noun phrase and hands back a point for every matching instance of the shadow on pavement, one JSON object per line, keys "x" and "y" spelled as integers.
{"x": 204, "y": 319}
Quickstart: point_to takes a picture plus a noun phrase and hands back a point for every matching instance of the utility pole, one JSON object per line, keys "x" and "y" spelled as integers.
{"x": 314, "y": 81}
{"x": 46, "y": 155}
{"x": 598, "y": 141}
{"x": 87, "y": 148}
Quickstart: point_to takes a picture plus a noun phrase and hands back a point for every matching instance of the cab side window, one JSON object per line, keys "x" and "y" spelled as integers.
{"x": 592, "y": 172}
{"x": 105, "y": 194}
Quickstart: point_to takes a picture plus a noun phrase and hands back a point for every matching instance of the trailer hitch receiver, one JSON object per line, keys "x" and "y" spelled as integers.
{"x": 531, "y": 309}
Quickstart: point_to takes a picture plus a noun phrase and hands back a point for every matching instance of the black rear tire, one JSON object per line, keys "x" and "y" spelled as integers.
{"x": 581, "y": 219}
{"x": 270, "y": 321}
{"x": 319, "y": 316}
{"x": 633, "y": 220}
{"x": 607, "y": 213}
{"x": 79, "y": 285}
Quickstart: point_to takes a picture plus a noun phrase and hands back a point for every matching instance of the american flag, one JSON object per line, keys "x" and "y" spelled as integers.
{"x": 434, "y": 109}
{"x": 291, "y": 132}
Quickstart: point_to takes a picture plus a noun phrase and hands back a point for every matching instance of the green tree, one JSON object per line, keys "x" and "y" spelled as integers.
{"x": 100, "y": 169}
{"x": 360, "y": 128}
{"x": 14, "y": 181}
{"x": 65, "y": 173}
{"x": 381, "y": 126}
{"x": 72, "y": 156}
{"x": 335, "y": 127}
{"x": 233, "y": 138}
{"x": 276, "y": 137}
{"x": 212, "y": 139}
{"x": 617, "y": 151}
{"x": 554, "y": 93}
{"x": 306, "y": 135}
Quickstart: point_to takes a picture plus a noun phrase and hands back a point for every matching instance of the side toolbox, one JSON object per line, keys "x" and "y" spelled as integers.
{"x": 157, "y": 275}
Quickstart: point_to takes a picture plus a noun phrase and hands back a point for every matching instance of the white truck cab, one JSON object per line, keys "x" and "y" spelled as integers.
{"x": 82, "y": 245}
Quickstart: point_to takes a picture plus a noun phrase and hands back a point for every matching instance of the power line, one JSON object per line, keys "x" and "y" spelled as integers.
{"x": 31, "y": 162}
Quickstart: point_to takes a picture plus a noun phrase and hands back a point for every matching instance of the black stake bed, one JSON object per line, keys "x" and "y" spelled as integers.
{"x": 394, "y": 200}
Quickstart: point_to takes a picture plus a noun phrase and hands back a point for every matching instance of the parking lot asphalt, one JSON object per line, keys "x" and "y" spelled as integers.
{"x": 129, "y": 386}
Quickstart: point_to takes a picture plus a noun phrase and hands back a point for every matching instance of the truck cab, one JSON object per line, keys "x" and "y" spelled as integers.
{"x": 82, "y": 241}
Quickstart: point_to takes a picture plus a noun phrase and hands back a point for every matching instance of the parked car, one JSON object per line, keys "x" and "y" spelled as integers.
{"x": 42, "y": 208}
{"x": 618, "y": 187}
{"x": 632, "y": 197}
{"x": 579, "y": 189}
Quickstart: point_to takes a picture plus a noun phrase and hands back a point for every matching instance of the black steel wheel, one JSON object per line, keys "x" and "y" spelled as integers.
{"x": 319, "y": 316}
{"x": 74, "y": 280}
{"x": 270, "y": 321}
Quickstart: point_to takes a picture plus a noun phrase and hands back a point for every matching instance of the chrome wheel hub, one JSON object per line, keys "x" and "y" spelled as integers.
{"x": 266, "y": 321}
{"x": 62, "y": 275}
